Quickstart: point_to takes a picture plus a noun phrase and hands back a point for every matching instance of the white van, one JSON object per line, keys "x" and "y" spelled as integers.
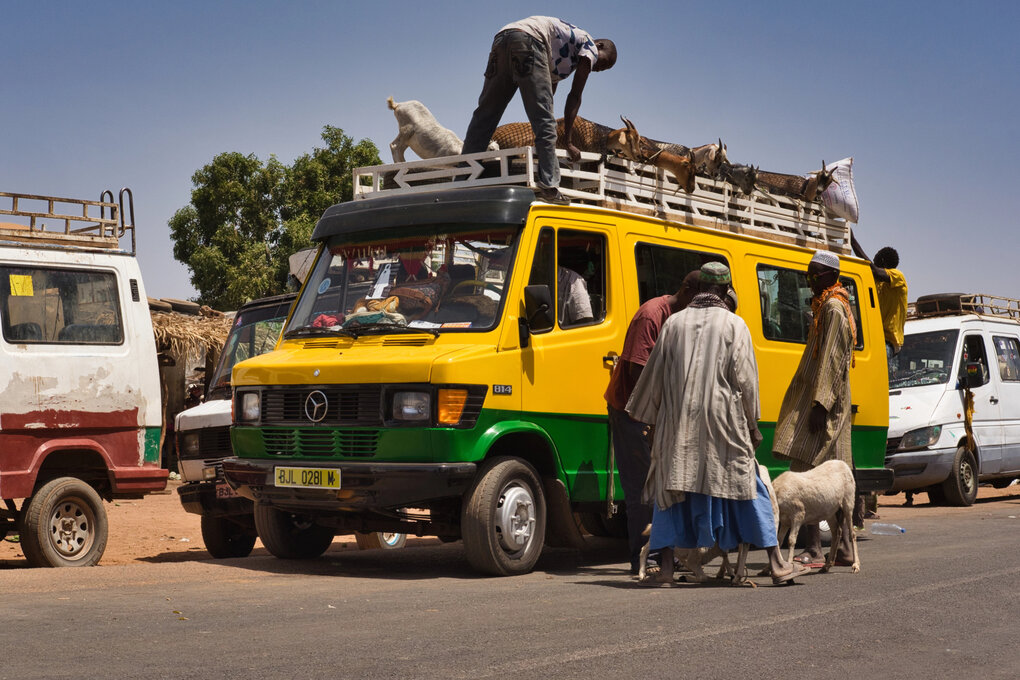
{"x": 952, "y": 342}
{"x": 80, "y": 407}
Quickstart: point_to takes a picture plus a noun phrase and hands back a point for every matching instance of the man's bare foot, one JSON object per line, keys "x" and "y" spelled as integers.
{"x": 786, "y": 575}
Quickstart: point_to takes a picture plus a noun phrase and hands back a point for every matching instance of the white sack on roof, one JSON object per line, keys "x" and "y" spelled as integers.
{"x": 840, "y": 198}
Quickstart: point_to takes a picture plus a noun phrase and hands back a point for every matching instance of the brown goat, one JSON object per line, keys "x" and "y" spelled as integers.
{"x": 628, "y": 143}
{"x": 795, "y": 186}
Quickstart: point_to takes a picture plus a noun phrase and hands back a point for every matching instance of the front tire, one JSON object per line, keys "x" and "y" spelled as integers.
{"x": 290, "y": 536}
{"x": 961, "y": 487}
{"x": 225, "y": 539}
{"x": 503, "y": 518}
{"x": 64, "y": 524}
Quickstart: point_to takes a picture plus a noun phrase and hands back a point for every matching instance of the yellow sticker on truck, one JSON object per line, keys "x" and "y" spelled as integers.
{"x": 303, "y": 477}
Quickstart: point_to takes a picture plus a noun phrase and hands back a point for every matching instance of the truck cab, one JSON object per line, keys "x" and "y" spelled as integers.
{"x": 80, "y": 404}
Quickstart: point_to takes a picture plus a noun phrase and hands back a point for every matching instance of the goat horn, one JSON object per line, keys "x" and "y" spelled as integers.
{"x": 629, "y": 124}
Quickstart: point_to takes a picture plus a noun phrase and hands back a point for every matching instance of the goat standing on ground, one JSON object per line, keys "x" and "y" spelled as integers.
{"x": 825, "y": 493}
{"x": 421, "y": 132}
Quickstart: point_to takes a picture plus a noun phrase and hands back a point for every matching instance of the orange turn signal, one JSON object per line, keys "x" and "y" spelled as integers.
{"x": 451, "y": 406}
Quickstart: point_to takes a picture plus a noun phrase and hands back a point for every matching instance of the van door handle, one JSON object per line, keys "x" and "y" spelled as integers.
{"x": 993, "y": 399}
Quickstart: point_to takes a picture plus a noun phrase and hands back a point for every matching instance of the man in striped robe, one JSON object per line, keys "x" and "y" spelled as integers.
{"x": 815, "y": 417}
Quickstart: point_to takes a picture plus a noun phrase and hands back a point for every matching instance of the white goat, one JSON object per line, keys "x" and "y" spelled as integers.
{"x": 823, "y": 493}
{"x": 421, "y": 132}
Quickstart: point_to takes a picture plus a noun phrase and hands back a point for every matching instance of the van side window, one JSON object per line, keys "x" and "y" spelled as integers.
{"x": 785, "y": 298}
{"x": 661, "y": 269}
{"x": 60, "y": 306}
{"x": 974, "y": 352}
{"x": 581, "y": 278}
{"x": 1007, "y": 351}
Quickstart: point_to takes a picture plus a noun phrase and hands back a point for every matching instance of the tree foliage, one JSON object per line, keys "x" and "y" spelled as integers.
{"x": 246, "y": 216}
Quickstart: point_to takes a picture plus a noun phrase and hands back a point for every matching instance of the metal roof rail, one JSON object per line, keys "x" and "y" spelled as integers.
{"x": 79, "y": 225}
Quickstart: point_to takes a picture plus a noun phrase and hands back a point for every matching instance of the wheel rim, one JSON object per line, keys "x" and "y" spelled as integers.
{"x": 72, "y": 528}
{"x": 967, "y": 480}
{"x": 389, "y": 538}
{"x": 515, "y": 518}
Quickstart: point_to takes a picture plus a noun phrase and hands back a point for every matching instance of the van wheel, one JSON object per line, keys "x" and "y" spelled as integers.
{"x": 380, "y": 540}
{"x": 962, "y": 485}
{"x": 64, "y": 524}
{"x": 503, "y": 518}
{"x": 291, "y": 536}
{"x": 225, "y": 539}
{"x": 936, "y": 496}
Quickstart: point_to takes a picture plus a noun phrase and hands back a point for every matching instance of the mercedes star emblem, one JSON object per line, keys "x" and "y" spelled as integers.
{"x": 316, "y": 404}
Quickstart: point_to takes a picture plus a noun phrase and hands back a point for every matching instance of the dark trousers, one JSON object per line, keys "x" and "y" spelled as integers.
{"x": 633, "y": 457}
{"x": 518, "y": 61}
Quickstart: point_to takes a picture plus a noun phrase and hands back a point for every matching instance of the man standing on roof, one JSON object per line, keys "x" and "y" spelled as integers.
{"x": 700, "y": 391}
{"x": 533, "y": 55}
{"x": 892, "y": 293}
{"x": 814, "y": 419}
{"x": 630, "y": 438}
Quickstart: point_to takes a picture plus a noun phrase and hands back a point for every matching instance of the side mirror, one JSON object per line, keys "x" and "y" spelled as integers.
{"x": 538, "y": 307}
{"x": 972, "y": 375}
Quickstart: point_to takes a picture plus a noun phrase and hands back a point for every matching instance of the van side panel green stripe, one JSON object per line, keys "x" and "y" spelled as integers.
{"x": 580, "y": 442}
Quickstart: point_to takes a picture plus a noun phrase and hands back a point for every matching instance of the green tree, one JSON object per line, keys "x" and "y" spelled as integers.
{"x": 246, "y": 217}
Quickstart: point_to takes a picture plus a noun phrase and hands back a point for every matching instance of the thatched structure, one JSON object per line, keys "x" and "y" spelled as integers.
{"x": 184, "y": 341}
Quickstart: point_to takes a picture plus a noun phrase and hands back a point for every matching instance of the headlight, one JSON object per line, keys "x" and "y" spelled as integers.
{"x": 412, "y": 406}
{"x": 250, "y": 407}
{"x": 188, "y": 443}
{"x": 921, "y": 438}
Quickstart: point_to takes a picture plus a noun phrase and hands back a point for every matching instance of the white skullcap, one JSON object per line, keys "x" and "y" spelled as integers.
{"x": 827, "y": 258}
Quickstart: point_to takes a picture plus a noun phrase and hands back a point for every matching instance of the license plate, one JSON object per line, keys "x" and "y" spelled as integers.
{"x": 315, "y": 478}
{"x": 224, "y": 491}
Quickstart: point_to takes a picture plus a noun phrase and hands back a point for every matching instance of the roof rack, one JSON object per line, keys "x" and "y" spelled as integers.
{"x": 82, "y": 226}
{"x": 620, "y": 185}
{"x": 955, "y": 304}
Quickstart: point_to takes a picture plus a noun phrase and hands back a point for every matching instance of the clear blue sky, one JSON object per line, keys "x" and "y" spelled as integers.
{"x": 924, "y": 95}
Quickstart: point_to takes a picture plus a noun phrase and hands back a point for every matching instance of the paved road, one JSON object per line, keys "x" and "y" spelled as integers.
{"x": 939, "y": 601}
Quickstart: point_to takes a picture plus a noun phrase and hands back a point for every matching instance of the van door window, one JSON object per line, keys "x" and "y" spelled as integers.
{"x": 785, "y": 301}
{"x": 581, "y": 278}
{"x": 974, "y": 352}
{"x": 60, "y": 306}
{"x": 1007, "y": 351}
{"x": 661, "y": 269}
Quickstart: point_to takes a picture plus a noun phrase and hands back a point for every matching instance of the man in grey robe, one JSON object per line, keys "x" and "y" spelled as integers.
{"x": 699, "y": 389}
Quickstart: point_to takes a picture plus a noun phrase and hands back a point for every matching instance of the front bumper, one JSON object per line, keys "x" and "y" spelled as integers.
{"x": 363, "y": 486}
{"x": 874, "y": 479}
{"x": 919, "y": 469}
{"x": 200, "y": 498}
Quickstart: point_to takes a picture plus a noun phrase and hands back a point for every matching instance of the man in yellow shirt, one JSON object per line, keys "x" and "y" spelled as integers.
{"x": 892, "y": 293}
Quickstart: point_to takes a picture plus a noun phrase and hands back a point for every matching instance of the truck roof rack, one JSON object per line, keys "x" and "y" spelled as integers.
{"x": 956, "y": 304}
{"x": 620, "y": 185}
{"x": 80, "y": 223}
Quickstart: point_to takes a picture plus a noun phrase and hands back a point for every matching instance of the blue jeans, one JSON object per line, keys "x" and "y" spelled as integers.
{"x": 633, "y": 458}
{"x": 518, "y": 61}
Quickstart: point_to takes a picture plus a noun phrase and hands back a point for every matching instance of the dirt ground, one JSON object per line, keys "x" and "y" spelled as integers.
{"x": 157, "y": 529}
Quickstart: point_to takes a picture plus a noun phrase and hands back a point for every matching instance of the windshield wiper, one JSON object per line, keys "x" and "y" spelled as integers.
{"x": 388, "y": 328}
{"x": 317, "y": 330}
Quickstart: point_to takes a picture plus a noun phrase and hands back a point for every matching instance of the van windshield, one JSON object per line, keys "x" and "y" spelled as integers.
{"x": 255, "y": 331}
{"x": 924, "y": 359}
{"x": 409, "y": 284}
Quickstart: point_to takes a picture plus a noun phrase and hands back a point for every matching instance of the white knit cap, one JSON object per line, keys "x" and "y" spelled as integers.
{"x": 827, "y": 258}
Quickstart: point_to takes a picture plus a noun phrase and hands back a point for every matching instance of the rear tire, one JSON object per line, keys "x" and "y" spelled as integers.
{"x": 291, "y": 536}
{"x": 64, "y": 524}
{"x": 936, "y": 496}
{"x": 380, "y": 540}
{"x": 503, "y": 518}
{"x": 961, "y": 487}
{"x": 225, "y": 539}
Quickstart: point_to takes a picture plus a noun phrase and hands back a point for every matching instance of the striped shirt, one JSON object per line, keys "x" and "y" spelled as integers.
{"x": 823, "y": 377}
